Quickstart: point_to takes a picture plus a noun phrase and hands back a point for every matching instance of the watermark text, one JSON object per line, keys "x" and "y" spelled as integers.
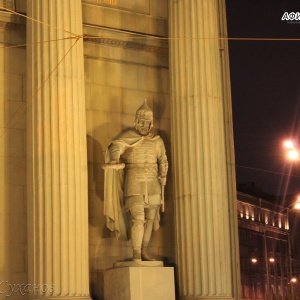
{"x": 292, "y": 16}
{"x": 7, "y": 288}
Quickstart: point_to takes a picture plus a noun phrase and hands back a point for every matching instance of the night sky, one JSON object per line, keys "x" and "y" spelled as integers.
{"x": 265, "y": 82}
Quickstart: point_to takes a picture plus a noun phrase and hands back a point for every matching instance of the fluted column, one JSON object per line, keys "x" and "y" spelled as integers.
{"x": 202, "y": 149}
{"x": 57, "y": 160}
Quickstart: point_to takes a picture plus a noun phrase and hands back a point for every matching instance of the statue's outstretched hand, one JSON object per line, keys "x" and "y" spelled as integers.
{"x": 113, "y": 162}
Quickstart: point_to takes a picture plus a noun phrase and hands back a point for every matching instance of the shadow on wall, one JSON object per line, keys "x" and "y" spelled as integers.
{"x": 13, "y": 212}
{"x": 95, "y": 209}
{"x": 96, "y": 186}
{"x": 104, "y": 249}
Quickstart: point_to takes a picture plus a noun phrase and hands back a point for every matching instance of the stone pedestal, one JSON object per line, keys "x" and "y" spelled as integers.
{"x": 139, "y": 283}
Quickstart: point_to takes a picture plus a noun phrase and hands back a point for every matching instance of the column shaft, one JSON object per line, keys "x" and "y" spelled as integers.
{"x": 206, "y": 227}
{"x": 57, "y": 160}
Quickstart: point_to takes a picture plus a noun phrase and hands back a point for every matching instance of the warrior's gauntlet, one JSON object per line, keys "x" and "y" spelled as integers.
{"x": 162, "y": 171}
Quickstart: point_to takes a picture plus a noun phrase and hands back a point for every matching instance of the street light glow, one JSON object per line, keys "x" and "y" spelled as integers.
{"x": 254, "y": 260}
{"x": 297, "y": 204}
{"x": 294, "y": 279}
{"x": 293, "y": 154}
{"x": 271, "y": 259}
{"x": 289, "y": 144}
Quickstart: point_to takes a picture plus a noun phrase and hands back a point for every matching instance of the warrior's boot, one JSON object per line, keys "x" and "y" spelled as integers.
{"x": 147, "y": 235}
{"x": 137, "y": 233}
{"x": 146, "y": 256}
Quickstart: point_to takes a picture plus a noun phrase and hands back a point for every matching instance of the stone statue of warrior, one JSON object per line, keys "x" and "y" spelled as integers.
{"x": 138, "y": 188}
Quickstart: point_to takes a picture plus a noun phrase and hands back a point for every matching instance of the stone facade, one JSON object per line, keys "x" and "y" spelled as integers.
{"x": 126, "y": 59}
{"x": 13, "y": 249}
{"x": 121, "y": 70}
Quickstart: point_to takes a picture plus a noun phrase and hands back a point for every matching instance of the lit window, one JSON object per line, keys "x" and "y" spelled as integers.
{"x": 254, "y": 260}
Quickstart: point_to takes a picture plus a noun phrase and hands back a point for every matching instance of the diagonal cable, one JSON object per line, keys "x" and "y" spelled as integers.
{"x": 138, "y": 36}
{"x": 267, "y": 171}
{"x": 24, "y": 105}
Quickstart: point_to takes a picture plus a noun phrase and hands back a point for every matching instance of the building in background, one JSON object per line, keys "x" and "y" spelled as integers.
{"x": 269, "y": 257}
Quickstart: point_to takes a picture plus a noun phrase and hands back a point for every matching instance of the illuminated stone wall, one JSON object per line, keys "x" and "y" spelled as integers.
{"x": 121, "y": 70}
{"x": 13, "y": 233}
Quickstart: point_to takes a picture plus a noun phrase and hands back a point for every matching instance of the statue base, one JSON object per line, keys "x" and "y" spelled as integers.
{"x": 139, "y": 282}
{"x": 154, "y": 263}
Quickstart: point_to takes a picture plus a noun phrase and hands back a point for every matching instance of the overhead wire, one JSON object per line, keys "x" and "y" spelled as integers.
{"x": 267, "y": 171}
{"x": 36, "y": 43}
{"x": 190, "y": 38}
{"x": 24, "y": 105}
{"x": 84, "y": 37}
{"x": 132, "y": 35}
{"x": 21, "y": 107}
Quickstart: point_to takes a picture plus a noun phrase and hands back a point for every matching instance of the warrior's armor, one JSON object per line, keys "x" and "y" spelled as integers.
{"x": 146, "y": 167}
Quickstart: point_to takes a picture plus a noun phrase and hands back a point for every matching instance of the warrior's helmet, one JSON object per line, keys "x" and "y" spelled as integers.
{"x": 144, "y": 113}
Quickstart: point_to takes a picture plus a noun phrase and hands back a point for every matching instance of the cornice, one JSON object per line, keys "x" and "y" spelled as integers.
{"x": 10, "y": 21}
{"x": 127, "y": 45}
